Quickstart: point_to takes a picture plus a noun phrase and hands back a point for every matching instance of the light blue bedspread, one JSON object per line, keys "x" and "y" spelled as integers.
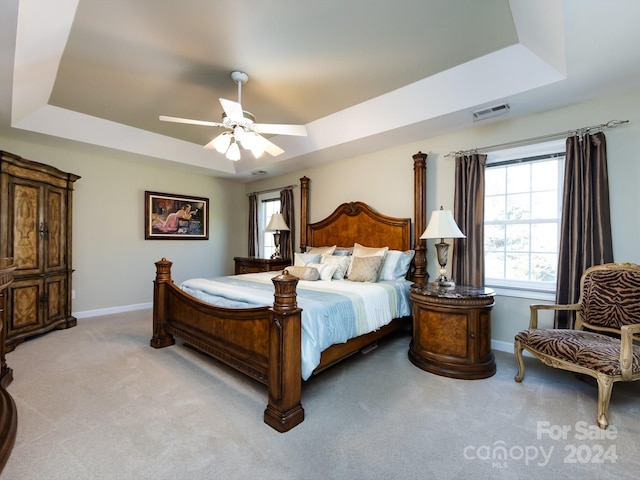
{"x": 332, "y": 312}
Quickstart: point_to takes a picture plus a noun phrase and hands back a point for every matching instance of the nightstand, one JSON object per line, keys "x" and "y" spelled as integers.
{"x": 255, "y": 264}
{"x": 452, "y": 331}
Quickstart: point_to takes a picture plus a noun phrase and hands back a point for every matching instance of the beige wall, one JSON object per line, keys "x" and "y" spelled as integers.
{"x": 384, "y": 179}
{"x": 114, "y": 264}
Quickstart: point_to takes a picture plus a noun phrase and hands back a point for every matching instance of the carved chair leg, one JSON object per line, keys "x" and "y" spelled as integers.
{"x": 517, "y": 350}
{"x": 605, "y": 385}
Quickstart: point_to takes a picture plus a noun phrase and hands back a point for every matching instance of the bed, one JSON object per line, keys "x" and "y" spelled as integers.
{"x": 265, "y": 342}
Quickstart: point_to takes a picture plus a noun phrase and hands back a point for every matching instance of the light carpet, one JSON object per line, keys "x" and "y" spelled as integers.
{"x": 97, "y": 402}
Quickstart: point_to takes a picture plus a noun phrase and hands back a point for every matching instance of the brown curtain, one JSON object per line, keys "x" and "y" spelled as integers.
{"x": 467, "y": 266}
{"x": 288, "y": 212}
{"x": 585, "y": 232}
{"x": 253, "y": 225}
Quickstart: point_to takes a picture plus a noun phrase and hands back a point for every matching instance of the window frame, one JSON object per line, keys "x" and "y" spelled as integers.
{"x": 528, "y": 154}
{"x": 264, "y": 242}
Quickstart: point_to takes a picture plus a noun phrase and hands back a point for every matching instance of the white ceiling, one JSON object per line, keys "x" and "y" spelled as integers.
{"x": 362, "y": 75}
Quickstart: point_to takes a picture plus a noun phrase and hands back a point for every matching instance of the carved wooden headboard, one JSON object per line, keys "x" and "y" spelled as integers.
{"x": 357, "y": 222}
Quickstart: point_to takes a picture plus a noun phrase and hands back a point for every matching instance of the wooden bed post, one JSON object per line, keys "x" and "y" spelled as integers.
{"x": 161, "y": 338}
{"x": 284, "y": 410}
{"x": 304, "y": 212}
{"x": 420, "y": 274}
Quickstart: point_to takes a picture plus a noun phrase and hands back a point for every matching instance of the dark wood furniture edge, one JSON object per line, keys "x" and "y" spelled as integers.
{"x": 8, "y": 410}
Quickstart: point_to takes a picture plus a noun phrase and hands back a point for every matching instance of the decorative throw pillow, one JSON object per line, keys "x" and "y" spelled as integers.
{"x": 396, "y": 264}
{"x": 326, "y": 270}
{"x": 322, "y": 250}
{"x": 362, "y": 251}
{"x": 365, "y": 269}
{"x": 341, "y": 262}
{"x": 301, "y": 259}
{"x": 304, "y": 273}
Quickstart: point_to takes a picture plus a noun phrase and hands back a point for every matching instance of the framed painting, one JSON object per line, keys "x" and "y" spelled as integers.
{"x": 175, "y": 217}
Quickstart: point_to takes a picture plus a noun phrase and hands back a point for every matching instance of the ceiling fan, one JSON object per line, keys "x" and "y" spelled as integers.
{"x": 242, "y": 129}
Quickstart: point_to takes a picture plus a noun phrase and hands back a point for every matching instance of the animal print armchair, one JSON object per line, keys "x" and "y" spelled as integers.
{"x": 610, "y": 303}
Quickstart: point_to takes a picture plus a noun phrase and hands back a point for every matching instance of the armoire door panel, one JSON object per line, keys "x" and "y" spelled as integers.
{"x": 26, "y": 306}
{"x": 55, "y": 239}
{"x": 26, "y": 227}
{"x": 56, "y": 298}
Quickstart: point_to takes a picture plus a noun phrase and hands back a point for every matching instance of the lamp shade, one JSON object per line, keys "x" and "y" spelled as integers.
{"x": 277, "y": 223}
{"x": 442, "y": 225}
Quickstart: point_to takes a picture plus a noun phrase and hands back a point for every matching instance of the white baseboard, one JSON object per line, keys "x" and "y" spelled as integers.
{"x": 501, "y": 346}
{"x": 112, "y": 310}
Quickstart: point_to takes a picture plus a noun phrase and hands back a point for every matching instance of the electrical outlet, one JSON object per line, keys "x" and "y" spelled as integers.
{"x": 73, "y": 294}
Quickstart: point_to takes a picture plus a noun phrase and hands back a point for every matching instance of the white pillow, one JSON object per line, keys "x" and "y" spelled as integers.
{"x": 301, "y": 259}
{"x": 341, "y": 262}
{"x": 326, "y": 270}
{"x": 396, "y": 264}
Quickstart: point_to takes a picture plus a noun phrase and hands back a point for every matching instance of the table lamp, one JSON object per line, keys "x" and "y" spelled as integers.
{"x": 442, "y": 225}
{"x": 276, "y": 225}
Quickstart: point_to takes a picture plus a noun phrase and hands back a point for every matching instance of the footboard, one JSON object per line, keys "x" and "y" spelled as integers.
{"x": 262, "y": 342}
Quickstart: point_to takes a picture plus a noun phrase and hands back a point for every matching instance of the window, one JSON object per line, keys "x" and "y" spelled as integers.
{"x": 523, "y": 207}
{"x": 268, "y": 204}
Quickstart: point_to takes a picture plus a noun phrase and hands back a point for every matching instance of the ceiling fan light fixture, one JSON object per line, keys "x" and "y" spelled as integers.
{"x": 233, "y": 153}
{"x": 221, "y": 142}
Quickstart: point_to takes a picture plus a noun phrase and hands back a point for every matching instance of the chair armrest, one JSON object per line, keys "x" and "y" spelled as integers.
{"x": 533, "y": 321}
{"x": 626, "y": 349}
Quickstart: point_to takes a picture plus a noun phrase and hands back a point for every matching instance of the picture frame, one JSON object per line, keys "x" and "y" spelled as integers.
{"x": 169, "y": 216}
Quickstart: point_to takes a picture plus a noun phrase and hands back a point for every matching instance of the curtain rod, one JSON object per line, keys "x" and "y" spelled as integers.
{"x": 275, "y": 189}
{"x": 580, "y": 131}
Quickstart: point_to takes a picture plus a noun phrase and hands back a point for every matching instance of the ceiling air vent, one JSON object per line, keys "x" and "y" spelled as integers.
{"x": 490, "y": 112}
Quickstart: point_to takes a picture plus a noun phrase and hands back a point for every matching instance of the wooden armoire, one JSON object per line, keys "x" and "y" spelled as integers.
{"x": 35, "y": 229}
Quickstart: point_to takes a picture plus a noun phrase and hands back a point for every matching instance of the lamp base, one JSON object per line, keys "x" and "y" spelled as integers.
{"x": 443, "y": 282}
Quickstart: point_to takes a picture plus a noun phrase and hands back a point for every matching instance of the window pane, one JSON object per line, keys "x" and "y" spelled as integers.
{"x": 494, "y": 238}
{"x": 544, "y": 205}
{"x": 518, "y": 178}
{"x": 517, "y": 238}
{"x": 518, "y": 207}
{"x": 495, "y": 181}
{"x": 544, "y": 237}
{"x": 494, "y": 208}
{"x": 494, "y": 265}
{"x": 544, "y": 175}
{"x": 517, "y": 266}
{"x": 544, "y": 268}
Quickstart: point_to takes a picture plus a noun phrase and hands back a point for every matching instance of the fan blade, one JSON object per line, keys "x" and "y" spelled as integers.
{"x": 232, "y": 109}
{"x": 269, "y": 147}
{"x": 164, "y": 118}
{"x": 280, "y": 129}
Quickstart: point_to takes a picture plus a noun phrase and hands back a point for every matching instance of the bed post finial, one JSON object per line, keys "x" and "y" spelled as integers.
{"x": 161, "y": 338}
{"x": 420, "y": 274}
{"x": 284, "y": 410}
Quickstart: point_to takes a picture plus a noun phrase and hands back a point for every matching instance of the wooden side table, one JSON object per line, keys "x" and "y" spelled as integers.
{"x": 8, "y": 410}
{"x": 452, "y": 331}
{"x": 255, "y": 264}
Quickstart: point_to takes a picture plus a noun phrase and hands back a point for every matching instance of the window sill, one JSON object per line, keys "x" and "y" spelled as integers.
{"x": 503, "y": 291}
